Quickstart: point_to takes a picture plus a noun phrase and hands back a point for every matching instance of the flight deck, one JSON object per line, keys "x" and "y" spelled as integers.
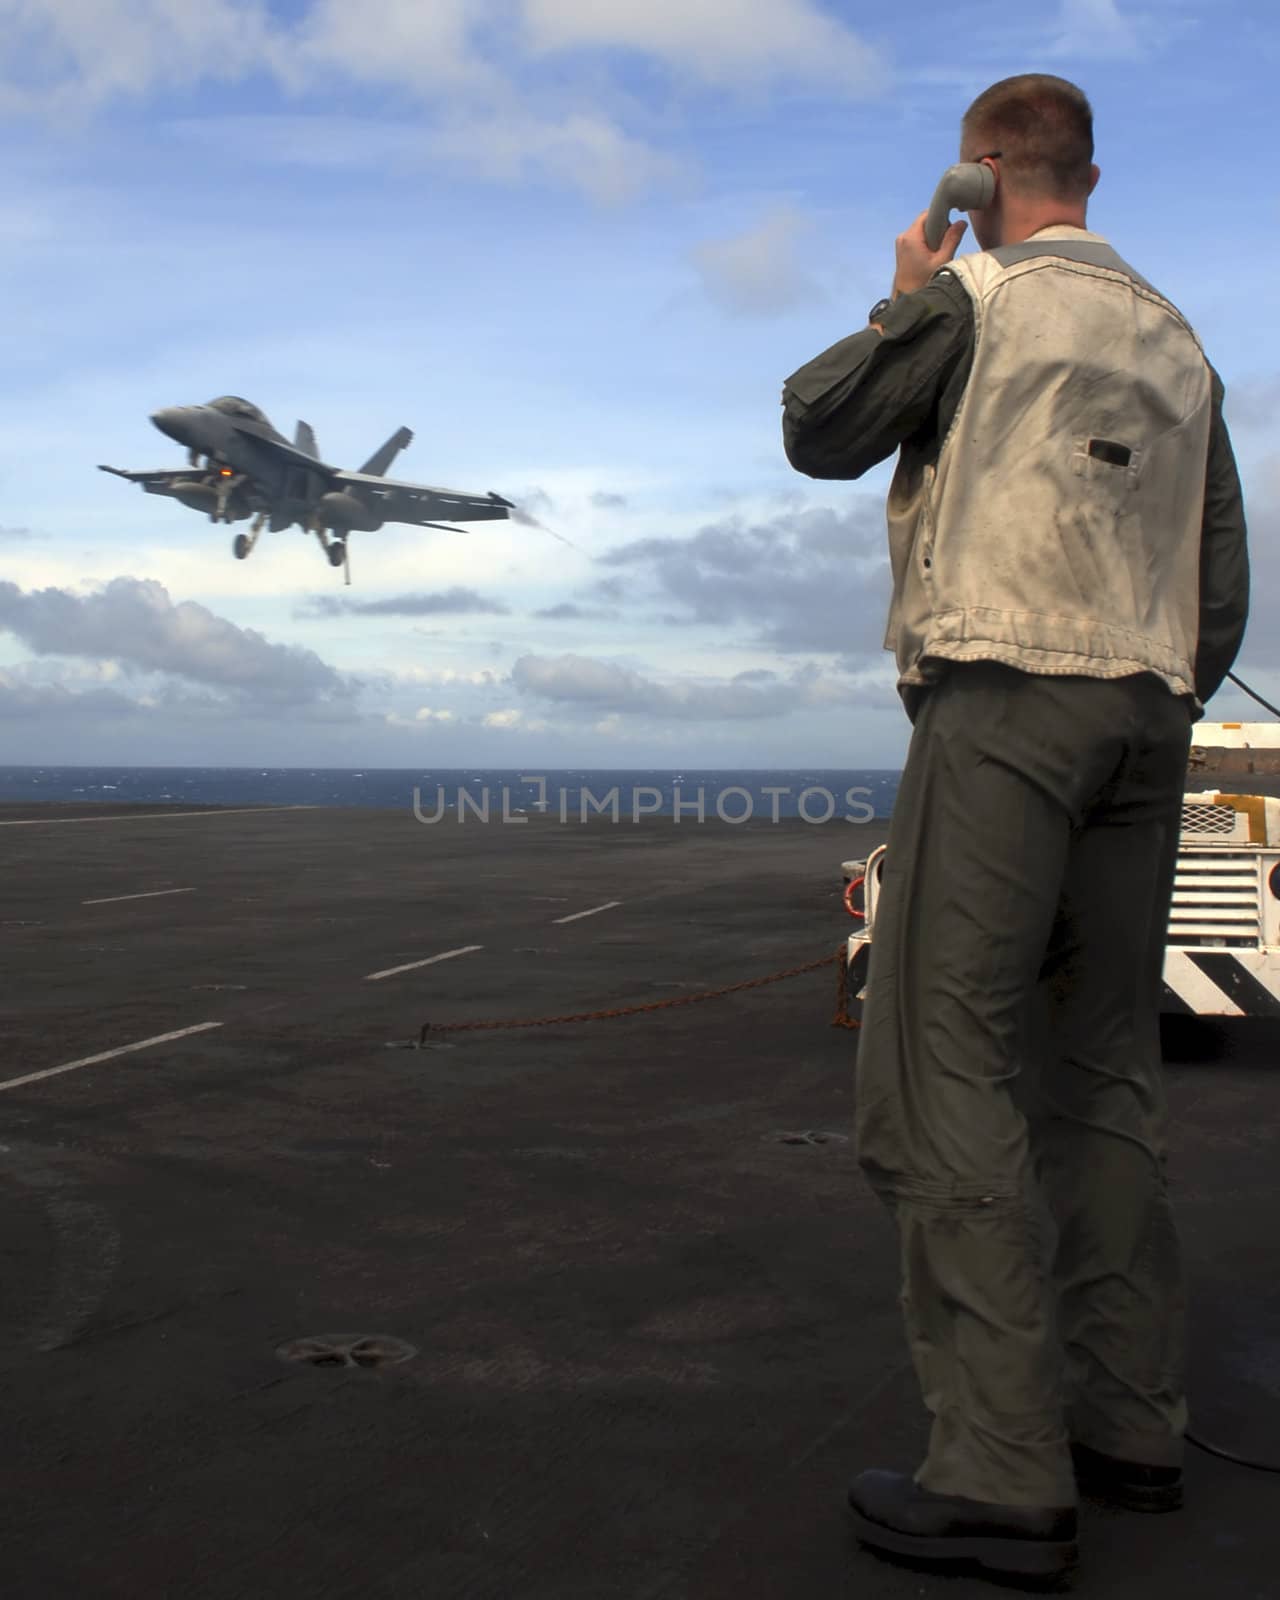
{"x": 297, "y": 1299}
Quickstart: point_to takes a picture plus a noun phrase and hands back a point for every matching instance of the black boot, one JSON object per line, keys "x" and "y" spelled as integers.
{"x": 892, "y": 1512}
{"x": 1126, "y": 1483}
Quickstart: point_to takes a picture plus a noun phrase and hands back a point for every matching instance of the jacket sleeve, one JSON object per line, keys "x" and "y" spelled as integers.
{"x": 852, "y": 406}
{"x": 1224, "y": 559}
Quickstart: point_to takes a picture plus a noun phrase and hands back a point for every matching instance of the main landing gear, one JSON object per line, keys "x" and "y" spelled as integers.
{"x": 243, "y": 543}
{"x": 336, "y": 552}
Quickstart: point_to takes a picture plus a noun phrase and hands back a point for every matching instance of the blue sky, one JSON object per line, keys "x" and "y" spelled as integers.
{"x": 576, "y": 246}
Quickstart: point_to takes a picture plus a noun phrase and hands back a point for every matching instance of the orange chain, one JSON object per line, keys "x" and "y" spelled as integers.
{"x": 842, "y": 1019}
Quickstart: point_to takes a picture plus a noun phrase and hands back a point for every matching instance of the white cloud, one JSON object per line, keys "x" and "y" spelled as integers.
{"x": 422, "y": 716}
{"x": 20, "y": 697}
{"x": 197, "y": 558}
{"x": 64, "y": 58}
{"x": 621, "y": 691}
{"x": 513, "y": 719}
{"x": 1097, "y": 28}
{"x": 201, "y": 567}
{"x": 441, "y": 675}
{"x": 496, "y": 105}
{"x": 759, "y": 272}
{"x": 1262, "y": 512}
{"x": 725, "y": 42}
{"x": 426, "y": 44}
{"x": 812, "y": 579}
{"x": 69, "y": 673}
{"x": 325, "y": 140}
{"x": 137, "y": 625}
{"x": 455, "y": 602}
{"x": 585, "y": 150}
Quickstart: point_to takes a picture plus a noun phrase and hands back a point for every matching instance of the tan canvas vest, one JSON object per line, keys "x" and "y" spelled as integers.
{"x": 1059, "y": 531}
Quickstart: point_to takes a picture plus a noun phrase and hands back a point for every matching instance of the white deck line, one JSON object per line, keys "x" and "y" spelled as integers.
{"x": 607, "y": 906}
{"x": 150, "y": 894}
{"x": 410, "y": 966}
{"x": 150, "y": 816}
{"x": 107, "y": 1055}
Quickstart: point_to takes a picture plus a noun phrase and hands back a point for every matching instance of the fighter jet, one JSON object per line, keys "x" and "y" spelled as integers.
{"x": 240, "y": 467}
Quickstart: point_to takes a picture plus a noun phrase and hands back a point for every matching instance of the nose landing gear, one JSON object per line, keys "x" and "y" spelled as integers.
{"x": 224, "y": 488}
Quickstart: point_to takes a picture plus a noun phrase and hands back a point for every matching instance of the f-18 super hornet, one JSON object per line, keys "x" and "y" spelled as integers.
{"x": 240, "y": 467}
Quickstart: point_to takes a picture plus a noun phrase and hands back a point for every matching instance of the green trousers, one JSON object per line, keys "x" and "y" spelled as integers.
{"x": 1010, "y": 1105}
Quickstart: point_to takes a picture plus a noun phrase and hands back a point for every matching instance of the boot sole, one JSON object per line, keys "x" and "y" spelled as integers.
{"x": 1134, "y": 1497}
{"x": 1029, "y": 1558}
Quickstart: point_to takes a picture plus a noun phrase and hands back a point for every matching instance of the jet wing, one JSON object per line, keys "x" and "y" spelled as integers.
{"x": 420, "y": 503}
{"x": 164, "y": 480}
{"x": 161, "y": 475}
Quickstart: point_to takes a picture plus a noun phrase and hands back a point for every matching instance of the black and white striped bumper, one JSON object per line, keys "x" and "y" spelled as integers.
{"x": 1222, "y": 983}
{"x": 1197, "y": 983}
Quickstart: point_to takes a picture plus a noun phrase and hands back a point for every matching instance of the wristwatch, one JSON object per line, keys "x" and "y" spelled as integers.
{"x": 876, "y": 314}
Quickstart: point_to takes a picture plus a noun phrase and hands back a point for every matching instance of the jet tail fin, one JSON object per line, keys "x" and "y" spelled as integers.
{"x": 382, "y": 458}
{"x": 305, "y": 439}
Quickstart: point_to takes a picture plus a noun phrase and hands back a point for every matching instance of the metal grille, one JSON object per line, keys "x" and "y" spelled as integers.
{"x": 1216, "y": 900}
{"x": 1198, "y": 818}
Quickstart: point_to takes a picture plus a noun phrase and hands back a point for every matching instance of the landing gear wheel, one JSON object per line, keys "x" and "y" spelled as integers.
{"x": 242, "y": 544}
{"x": 337, "y": 553}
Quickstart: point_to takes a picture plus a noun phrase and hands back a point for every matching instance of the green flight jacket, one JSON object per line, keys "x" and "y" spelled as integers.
{"x": 1015, "y": 533}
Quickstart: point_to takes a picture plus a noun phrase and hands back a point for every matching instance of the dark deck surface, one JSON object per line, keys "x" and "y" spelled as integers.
{"x": 653, "y": 1342}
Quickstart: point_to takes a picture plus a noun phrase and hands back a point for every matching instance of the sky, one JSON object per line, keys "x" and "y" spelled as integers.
{"x": 576, "y": 246}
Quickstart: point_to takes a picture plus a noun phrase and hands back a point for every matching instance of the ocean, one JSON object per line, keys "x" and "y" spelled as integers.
{"x": 815, "y": 794}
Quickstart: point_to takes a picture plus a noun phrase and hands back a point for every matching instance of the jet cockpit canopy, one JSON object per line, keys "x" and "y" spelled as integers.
{"x": 233, "y": 406}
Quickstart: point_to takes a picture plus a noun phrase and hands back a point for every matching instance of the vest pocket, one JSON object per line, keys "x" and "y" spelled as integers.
{"x": 1110, "y": 461}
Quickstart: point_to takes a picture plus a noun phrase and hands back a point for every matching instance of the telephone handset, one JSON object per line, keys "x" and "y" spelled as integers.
{"x": 968, "y": 186}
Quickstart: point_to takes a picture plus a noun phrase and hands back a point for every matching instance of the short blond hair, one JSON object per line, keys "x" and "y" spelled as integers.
{"x": 1044, "y": 128}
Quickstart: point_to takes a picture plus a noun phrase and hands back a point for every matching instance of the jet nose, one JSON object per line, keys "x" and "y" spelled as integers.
{"x": 175, "y": 421}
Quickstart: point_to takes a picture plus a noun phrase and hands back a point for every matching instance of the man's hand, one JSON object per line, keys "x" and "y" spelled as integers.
{"x": 916, "y": 262}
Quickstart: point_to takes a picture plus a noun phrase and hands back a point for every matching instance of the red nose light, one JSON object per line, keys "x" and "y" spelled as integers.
{"x": 224, "y": 472}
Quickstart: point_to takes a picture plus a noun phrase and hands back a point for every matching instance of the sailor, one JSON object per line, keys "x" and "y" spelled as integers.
{"x": 1070, "y": 586}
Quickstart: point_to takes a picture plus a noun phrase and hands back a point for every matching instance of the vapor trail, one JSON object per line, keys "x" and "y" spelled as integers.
{"x": 528, "y": 520}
